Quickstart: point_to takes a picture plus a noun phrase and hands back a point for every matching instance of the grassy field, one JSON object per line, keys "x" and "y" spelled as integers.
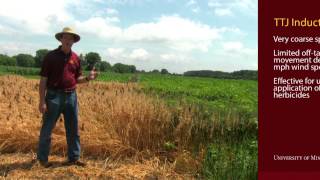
{"x": 213, "y": 121}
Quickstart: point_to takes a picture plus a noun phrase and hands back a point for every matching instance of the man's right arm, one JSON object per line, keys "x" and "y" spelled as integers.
{"x": 42, "y": 94}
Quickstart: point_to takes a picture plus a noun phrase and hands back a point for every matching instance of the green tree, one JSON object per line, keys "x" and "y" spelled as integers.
{"x": 92, "y": 58}
{"x": 164, "y": 71}
{"x": 119, "y": 68}
{"x": 25, "y": 60}
{"x": 245, "y": 74}
{"x": 123, "y": 68}
{"x": 40, "y": 54}
{"x": 155, "y": 71}
{"x": 105, "y": 66}
{"x": 132, "y": 69}
{"x": 7, "y": 60}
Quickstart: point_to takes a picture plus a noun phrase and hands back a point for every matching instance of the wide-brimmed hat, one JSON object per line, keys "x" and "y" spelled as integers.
{"x": 68, "y": 30}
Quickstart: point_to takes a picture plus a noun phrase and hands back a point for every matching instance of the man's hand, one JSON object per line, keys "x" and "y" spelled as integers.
{"x": 43, "y": 107}
{"x": 93, "y": 74}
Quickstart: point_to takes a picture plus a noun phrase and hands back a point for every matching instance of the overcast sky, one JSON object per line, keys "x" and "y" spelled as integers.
{"x": 178, "y": 35}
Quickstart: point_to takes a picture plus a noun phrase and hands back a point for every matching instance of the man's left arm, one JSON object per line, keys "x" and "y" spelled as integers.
{"x": 92, "y": 76}
{"x": 84, "y": 79}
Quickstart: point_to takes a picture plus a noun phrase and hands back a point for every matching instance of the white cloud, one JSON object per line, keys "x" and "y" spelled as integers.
{"x": 193, "y": 6}
{"x": 99, "y": 27}
{"x": 98, "y": 1}
{"x": 111, "y": 11}
{"x": 231, "y": 46}
{"x": 50, "y": 15}
{"x": 139, "y": 54}
{"x": 14, "y": 48}
{"x": 174, "y": 58}
{"x": 213, "y": 3}
{"x": 116, "y": 55}
{"x": 223, "y": 12}
{"x": 191, "y": 2}
{"x": 5, "y": 30}
{"x": 234, "y": 30}
{"x": 110, "y": 15}
{"x": 141, "y": 58}
{"x": 196, "y": 10}
{"x": 237, "y": 48}
{"x": 24, "y": 16}
{"x": 169, "y": 32}
{"x": 112, "y": 19}
{"x": 123, "y": 2}
{"x": 174, "y": 32}
{"x": 245, "y": 6}
{"x": 115, "y": 52}
{"x": 168, "y": 56}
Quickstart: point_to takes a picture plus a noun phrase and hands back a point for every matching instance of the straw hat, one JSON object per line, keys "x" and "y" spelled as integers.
{"x": 68, "y": 30}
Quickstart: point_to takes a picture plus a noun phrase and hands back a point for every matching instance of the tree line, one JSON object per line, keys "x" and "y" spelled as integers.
{"x": 242, "y": 74}
{"x": 93, "y": 59}
{"x": 88, "y": 61}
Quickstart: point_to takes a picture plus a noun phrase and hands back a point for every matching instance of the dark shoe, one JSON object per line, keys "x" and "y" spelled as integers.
{"x": 45, "y": 164}
{"x": 76, "y": 163}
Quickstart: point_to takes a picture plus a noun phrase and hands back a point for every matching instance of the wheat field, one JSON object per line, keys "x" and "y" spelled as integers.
{"x": 123, "y": 133}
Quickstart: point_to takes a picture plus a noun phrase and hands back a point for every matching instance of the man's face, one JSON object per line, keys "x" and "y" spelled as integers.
{"x": 67, "y": 40}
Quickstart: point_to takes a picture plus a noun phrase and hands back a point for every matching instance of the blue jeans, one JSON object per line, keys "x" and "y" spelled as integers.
{"x": 66, "y": 103}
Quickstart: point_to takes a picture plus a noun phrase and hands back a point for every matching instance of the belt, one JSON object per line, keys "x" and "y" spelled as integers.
{"x": 62, "y": 90}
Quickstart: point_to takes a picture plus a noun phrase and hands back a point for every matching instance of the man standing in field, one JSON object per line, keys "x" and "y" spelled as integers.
{"x": 60, "y": 73}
